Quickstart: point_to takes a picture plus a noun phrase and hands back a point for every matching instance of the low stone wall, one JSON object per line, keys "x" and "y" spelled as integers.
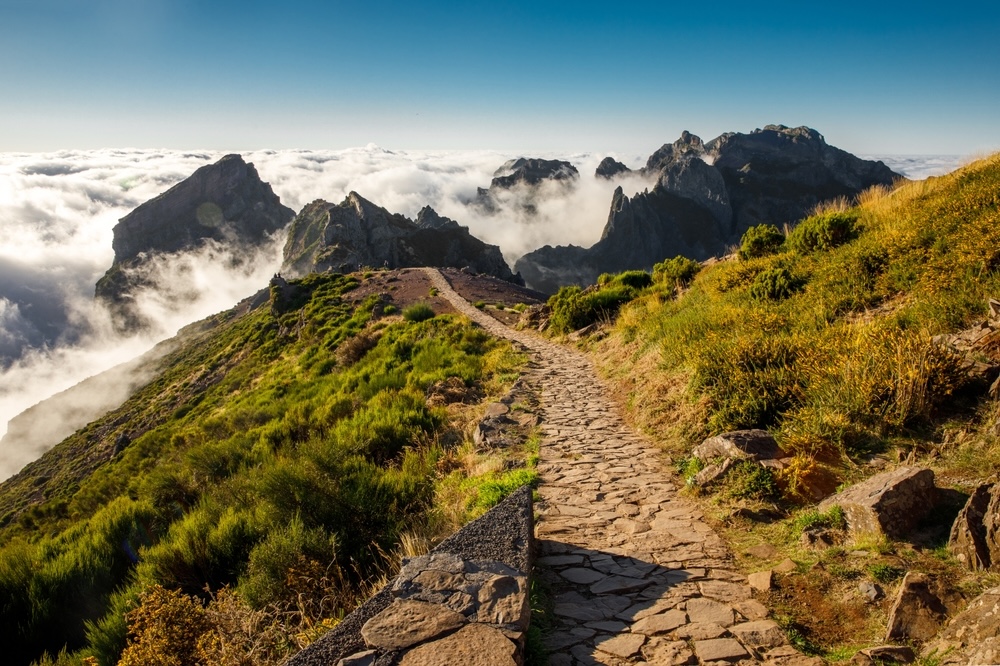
{"x": 469, "y": 595}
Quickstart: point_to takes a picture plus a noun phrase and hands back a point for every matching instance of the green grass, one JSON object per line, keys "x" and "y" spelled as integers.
{"x": 296, "y": 431}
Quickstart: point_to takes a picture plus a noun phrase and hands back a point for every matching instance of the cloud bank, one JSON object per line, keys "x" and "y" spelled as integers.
{"x": 57, "y": 212}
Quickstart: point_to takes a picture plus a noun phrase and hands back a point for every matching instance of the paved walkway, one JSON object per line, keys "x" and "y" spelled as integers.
{"x": 637, "y": 576}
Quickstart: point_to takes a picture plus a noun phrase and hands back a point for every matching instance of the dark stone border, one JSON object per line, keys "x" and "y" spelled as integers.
{"x": 503, "y": 534}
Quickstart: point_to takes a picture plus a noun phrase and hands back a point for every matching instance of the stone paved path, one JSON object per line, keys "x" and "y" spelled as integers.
{"x": 637, "y": 576}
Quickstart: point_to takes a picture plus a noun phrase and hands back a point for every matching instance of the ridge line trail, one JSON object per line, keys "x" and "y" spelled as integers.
{"x": 635, "y": 573}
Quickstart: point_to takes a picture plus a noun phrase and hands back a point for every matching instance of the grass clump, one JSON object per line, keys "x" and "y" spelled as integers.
{"x": 418, "y": 312}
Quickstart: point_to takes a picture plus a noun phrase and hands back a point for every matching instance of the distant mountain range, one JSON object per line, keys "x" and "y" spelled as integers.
{"x": 705, "y": 195}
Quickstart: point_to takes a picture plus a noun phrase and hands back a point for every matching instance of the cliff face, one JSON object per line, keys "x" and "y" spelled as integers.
{"x": 341, "y": 237}
{"x": 705, "y": 197}
{"x": 226, "y": 201}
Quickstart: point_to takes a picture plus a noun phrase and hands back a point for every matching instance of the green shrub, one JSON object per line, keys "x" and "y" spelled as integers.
{"x": 634, "y": 279}
{"x": 271, "y": 559}
{"x": 479, "y": 305}
{"x": 773, "y": 284}
{"x": 418, "y": 312}
{"x": 824, "y": 232}
{"x": 750, "y": 480}
{"x": 573, "y": 308}
{"x": 676, "y": 272}
{"x": 760, "y": 241}
{"x": 390, "y": 310}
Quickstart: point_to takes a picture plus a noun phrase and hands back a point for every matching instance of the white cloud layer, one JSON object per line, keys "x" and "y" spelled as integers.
{"x": 57, "y": 211}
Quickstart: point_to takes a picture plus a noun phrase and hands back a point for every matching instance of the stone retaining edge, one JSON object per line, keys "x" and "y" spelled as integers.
{"x": 503, "y": 534}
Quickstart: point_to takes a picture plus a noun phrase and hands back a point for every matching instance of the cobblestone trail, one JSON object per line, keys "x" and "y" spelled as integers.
{"x": 637, "y": 576}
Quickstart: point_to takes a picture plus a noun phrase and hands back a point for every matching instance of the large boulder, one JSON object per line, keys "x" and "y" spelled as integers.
{"x": 356, "y": 232}
{"x": 706, "y": 195}
{"x": 975, "y": 535}
{"x": 891, "y": 503}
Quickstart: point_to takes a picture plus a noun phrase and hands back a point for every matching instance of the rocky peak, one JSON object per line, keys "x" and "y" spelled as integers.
{"x": 610, "y": 167}
{"x": 524, "y": 172}
{"x": 356, "y": 232}
{"x": 532, "y": 171}
{"x": 428, "y": 218}
{"x": 226, "y": 200}
{"x": 705, "y": 197}
{"x": 687, "y": 146}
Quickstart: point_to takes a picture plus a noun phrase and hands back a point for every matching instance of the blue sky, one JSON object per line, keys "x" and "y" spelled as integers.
{"x": 874, "y": 77}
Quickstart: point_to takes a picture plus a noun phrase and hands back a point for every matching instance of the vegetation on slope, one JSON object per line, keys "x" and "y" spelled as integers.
{"x": 824, "y": 334}
{"x": 274, "y": 468}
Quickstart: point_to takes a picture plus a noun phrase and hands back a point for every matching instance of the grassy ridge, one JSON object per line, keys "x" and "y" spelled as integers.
{"x": 284, "y": 454}
{"x": 824, "y": 336}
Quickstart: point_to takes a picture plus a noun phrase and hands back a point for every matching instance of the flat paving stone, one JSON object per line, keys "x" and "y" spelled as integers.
{"x": 720, "y": 649}
{"x": 582, "y": 575}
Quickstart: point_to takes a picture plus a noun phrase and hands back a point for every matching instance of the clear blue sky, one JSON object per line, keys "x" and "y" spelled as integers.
{"x": 874, "y": 77}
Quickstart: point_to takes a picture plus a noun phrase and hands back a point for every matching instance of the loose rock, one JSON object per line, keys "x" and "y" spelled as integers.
{"x": 891, "y": 503}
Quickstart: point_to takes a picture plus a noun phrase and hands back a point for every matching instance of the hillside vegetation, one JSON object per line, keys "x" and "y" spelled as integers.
{"x": 824, "y": 334}
{"x": 273, "y": 471}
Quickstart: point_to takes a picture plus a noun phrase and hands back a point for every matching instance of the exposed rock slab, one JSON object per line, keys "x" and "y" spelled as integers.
{"x": 890, "y": 503}
{"x": 408, "y": 622}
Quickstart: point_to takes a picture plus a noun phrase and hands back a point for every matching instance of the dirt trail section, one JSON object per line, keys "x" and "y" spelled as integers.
{"x": 636, "y": 575}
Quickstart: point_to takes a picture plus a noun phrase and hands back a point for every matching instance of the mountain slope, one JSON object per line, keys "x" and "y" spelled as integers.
{"x": 292, "y": 435}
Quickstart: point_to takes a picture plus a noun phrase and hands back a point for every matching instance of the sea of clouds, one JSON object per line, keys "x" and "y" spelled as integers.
{"x": 57, "y": 212}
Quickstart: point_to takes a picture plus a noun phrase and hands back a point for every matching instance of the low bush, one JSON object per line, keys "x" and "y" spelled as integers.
{"x": 760, "y": 241}
{"x": 824, "y": 232}
{"x": 676, "y": 272}
{"x": 773, "y": 284}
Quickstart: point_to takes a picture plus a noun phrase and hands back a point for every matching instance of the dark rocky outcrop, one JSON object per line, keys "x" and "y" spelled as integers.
{"x": 524, "y": 172}
{"x": 706, "y": 195}
{"x": 225, "y": 201}
{"x": 610, "y": 167}
{"x": 356, "y": 232}
{"x": 975, "y": 535}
